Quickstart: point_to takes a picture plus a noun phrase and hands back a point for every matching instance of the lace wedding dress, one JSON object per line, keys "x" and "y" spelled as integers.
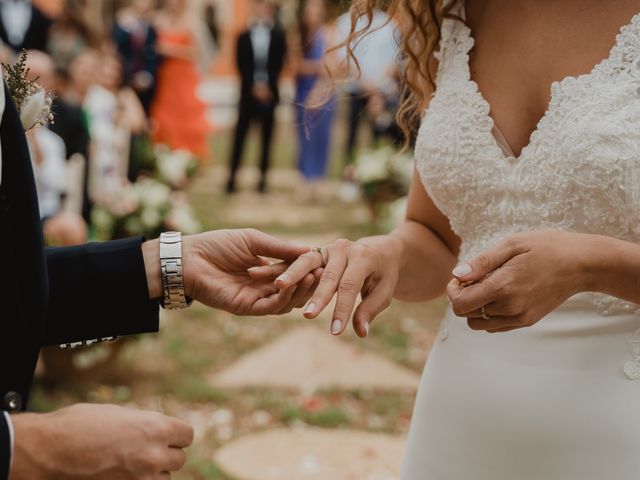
{"x": 559, "y": 400}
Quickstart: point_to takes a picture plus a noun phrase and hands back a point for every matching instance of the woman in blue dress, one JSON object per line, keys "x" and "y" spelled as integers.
{"x": 315, "y": 101}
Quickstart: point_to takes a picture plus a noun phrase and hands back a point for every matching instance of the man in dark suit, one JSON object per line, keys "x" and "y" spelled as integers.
{"x": 23, "y": 25}
{"x": 81, "y": 295}
{"x": 260, "y": 55}
{"x": 135, "y": 39}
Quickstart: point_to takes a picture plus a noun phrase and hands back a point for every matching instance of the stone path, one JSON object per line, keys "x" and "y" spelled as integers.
{"x": 313, "y": 454}
{"x": 308, "y": 358}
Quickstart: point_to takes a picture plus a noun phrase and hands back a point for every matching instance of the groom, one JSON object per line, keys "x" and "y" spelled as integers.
{"x": 87, "y": 294}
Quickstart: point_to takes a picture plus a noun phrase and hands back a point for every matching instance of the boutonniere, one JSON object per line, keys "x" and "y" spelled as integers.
{"x": 31, "y": 99}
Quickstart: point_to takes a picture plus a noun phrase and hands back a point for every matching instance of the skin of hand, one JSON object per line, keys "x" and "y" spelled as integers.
{"x": 98, "y": 442}
{"x": 521, "y": 279}
{"x": 262, "y": 93}
{"x": 369, "y": 267}
{"x": 215, "y": 268}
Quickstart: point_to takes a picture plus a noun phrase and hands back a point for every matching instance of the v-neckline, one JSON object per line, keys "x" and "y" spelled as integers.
{"x": 509, "y": 153}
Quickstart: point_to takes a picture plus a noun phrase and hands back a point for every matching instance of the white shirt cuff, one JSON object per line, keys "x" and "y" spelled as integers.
{"x": 11, "y": 437}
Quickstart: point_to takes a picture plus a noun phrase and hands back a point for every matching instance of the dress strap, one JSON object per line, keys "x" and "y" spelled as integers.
{"x": 455, "y": 41}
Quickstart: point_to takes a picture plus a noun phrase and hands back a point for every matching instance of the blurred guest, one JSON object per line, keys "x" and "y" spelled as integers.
{"x": 70, "y": 123}
{"x": 178, "y": 115}
{"x": 260, "y": 55}
{"x": 69, "y": 35}
{"x": 115, "y": 114}
{"x": 376, "y": 55}
{"x": 211, "y": 22}
{"x": 47, "y": 153}
{"x": 135, "y": 38}
{"x": 81, "y": 76}
{"x": 23, "y": 25}
{"x": 314, "y": 102}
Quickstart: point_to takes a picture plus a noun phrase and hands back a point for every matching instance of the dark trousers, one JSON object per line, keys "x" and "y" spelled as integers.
{"x": 358, "y": 102}
{"x": 251, "y": 110}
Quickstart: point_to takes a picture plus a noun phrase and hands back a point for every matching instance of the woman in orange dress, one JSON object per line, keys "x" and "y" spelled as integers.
{"x": 178, "y": 114}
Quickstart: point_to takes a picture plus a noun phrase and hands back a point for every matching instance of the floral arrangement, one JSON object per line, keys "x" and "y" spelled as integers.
{"x": 146, "y": 207}
{"x": 174, "y": 167}
{"x": 31, "y": 99}
{"x": 384, "y": 175}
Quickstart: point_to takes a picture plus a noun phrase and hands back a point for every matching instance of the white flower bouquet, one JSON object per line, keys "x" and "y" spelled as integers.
{"x": 146, "y": 207}
{"x": 174, "y": 167}
{"x": 384, "y": 175}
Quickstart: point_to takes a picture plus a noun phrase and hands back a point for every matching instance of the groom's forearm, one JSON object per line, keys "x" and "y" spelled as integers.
{"x": 98, "y": 290}
{"x": 151, "y": 255}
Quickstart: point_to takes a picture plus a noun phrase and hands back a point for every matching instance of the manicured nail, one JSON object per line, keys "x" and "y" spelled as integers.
{"x": 366, "y": 329}
{"x": 252, "y": 269}
{"x": 283, "y": 278}
{"x": 462, "y": 269}
{"x": 336, "y": 326}
{"x": 310, "y": 308}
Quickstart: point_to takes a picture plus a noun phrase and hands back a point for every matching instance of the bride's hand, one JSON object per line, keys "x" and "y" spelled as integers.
{"x": 520, "y": 280}
{"x": 369, "y": 267}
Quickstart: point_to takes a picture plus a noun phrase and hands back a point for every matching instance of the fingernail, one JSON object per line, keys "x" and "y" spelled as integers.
{"x": 336, "y": 326}
{"x": 366, "y": 329}
{"x": 283, "y": 278}
{"x": 462, "y": 269}
{"x": 252, "y": 269}
{"x": 310, "y": 308}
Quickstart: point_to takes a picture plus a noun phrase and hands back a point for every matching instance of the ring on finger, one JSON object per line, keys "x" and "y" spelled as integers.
{"x": 483, "y": 312}
{"x": 320, "y": 252}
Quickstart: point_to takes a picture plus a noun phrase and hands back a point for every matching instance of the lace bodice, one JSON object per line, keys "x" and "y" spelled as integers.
{"x": 580, "y": 171}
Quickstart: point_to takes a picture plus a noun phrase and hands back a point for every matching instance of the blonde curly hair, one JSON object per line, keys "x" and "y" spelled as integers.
{"x": 419, "y": 23}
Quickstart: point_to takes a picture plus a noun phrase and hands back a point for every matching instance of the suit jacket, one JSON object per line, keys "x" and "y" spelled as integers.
{"x": 57, "y": 295}
{"x": 246, "y": 64}
{"x": 37, "y": 33}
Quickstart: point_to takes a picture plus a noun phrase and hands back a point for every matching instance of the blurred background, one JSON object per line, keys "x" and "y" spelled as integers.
{"x": 197, "y": 115}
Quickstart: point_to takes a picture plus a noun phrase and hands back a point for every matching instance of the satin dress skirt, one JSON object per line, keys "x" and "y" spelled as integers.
{"x": 549, "y": 402}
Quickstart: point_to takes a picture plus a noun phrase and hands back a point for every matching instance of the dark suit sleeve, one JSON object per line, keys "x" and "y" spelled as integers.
{"x": 6, "y": 446}
{"x": 98, "y": 290}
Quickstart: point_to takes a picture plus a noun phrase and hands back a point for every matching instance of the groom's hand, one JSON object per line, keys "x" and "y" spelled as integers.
{"x": 215, "y": 269}
{"x": 98, "y": 442}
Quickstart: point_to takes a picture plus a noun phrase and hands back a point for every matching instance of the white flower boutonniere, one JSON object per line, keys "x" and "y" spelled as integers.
{"x": 31, "y": 99}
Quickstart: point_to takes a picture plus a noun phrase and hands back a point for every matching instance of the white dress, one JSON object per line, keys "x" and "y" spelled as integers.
{"x": 559, "y": 400}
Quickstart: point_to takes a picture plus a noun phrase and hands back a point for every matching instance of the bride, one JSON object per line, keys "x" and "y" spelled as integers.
{"x": 528, "y": 183}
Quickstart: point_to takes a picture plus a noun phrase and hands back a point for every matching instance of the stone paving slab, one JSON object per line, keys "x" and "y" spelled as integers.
{"x": 312, "y": 454}
{"x": 308, "y": 358}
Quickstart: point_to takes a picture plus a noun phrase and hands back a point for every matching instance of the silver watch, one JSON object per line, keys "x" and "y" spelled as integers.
{"x": 171, "y": 271}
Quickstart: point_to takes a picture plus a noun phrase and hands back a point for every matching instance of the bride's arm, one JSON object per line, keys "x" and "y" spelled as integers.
{"x": 429, "y": 248}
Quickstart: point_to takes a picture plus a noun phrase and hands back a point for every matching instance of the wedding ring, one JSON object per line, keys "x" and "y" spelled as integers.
{"x": 483, "y": 312}
{"x": 319, "y": 251}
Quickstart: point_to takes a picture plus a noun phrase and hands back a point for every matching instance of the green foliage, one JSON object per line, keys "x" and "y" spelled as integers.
{"x": 329, "y": 417}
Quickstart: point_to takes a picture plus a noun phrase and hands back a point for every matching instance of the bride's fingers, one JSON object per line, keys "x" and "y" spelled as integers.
{"x": 267, "y": 272}
{"x": 373, "y": 303}
{"x": 349, "y": 287}
{"x": 299, "y": 269}
{"x": 494, "y": 323}
{"x": 328, "y": 284}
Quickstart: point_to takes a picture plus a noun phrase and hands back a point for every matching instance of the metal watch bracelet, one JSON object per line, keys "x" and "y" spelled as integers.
{"x": 171, "y": 271}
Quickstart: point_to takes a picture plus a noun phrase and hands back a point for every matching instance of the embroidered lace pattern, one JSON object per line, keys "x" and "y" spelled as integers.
{"x": 580, "y": 171}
